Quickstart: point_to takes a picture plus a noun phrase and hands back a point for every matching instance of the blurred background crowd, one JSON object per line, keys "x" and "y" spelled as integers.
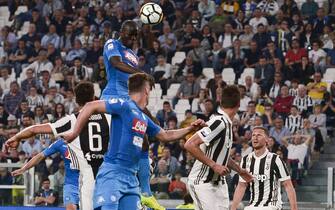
{"x": 280, "y": 53}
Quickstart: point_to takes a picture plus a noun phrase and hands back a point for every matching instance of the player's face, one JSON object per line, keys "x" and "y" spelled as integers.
{"x": 258, "y": 139}
{"x": 129, "y": 37}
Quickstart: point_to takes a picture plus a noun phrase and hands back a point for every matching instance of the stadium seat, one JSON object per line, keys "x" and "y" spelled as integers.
{"x": 178, "y": 57}
{"x": 208, "y": 73}
{"x": 172, "y": 91}
{"x": 228, "y": 75}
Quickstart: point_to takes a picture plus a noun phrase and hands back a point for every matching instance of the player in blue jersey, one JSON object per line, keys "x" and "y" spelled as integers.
{"x": 121, "y": 62}
{"x": 71, "y": 181}
{"x": 121, "y": 163}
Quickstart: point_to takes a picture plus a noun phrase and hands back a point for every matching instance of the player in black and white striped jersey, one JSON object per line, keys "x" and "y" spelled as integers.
{"x": 87, "y": 150}
{"x": 269, "y": 172}
{"x": 211, "y": 147}
{"x": 294, "y": 121}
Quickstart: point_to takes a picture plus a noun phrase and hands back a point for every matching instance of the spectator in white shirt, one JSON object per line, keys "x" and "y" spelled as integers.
{"x": 297, "y": 150}
{"x": 226, "y": 40}
{"x": 206, "y": 9}
{"x": 30, "y": 146}
{"x": 251, "y": 87}
{"x": 257, "y": 19}
{"x": 317, "y": 56}
{"x": 162, "y": 73}
{"x": 41, "y": 64}
{"x": 5, "y": 79}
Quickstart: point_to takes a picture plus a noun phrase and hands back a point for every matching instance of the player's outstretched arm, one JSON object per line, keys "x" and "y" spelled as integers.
{"x": 89, "y": 109}
{"x": 117, "y": 63}
{"x": 26, "y": 133}
{"x": 172, "y": 135}
{"x": 292, "y": 197}
{"x": 242, "y": 172}
{"x": 193, "y": 146}
{"x": 238, "y": 195}
{"x": 31, "y": 163}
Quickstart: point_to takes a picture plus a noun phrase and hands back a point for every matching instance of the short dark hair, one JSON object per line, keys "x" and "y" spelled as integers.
{"x": 266, "y": 131}
{"x": 84, "y": 92}
{"x": 166, "y": 103}
{"x": 45, "y": 179}
{"x": 137, "y": 81}
{"x": 294, "y": 106}
{"x": 188, "y": 199}
{"x": 230, "y": 97}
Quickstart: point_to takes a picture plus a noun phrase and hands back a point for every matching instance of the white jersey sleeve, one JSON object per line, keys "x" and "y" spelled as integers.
{"x": 214, "y": 127}
{"x": 63, "y": 125}
{"x": 281, "y": 170}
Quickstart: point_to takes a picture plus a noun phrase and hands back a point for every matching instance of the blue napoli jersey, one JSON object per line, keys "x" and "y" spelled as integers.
{"x": 71, "y": 175}
{"x": 117, "y": 80}
{"x": 129, "y": 125}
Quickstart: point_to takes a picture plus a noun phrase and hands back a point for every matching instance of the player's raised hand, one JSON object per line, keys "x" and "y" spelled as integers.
{"x": 199, "y": 123}
{"x": 220, "y": 169}
{"x": 12, "y": 143}
{"x": 246, "y": 175}
{"x": 17, "y": 172}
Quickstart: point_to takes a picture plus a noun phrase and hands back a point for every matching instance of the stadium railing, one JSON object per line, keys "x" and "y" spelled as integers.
{"x": 28, "y": 182}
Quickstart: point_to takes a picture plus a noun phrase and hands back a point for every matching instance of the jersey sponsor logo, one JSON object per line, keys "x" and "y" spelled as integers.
{"x": 138, "y": 141}
{"x": 205, "y": 131}
{"x": 90, "y": 156}
{"x": 132, "y": 58}
{"x": 139, "y": 126}
{"x": 260, "y": 177}
{"x": 110, "y": 46}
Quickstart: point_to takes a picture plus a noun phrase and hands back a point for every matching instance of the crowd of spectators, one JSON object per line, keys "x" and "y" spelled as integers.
{"x": 289, "y": 44}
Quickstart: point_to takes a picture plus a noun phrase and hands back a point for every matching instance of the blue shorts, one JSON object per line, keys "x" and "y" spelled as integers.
{"x": 116, "y": 187}
{"x": 70, "y": 194}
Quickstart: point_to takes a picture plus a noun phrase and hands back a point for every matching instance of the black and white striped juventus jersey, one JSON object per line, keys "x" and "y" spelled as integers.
{"x": 304, "y": 103}
{"x": 88, "y": 149}
{"x": 268, "y": 171}
{"x": 294, "y": 123}
{"x": 217, "y": 138}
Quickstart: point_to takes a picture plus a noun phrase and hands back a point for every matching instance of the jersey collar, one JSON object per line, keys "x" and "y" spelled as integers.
{"x": 221, "y": 112}
{"x": 260, "y": 157}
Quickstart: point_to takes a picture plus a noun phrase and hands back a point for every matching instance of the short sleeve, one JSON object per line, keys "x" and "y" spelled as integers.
{"x": 62, "y": 125}
{"x": 112, "y": 49}
{"x": 53, "y": 148}
{"x": 153, "y": 129}
{"x": 210, "y": 133}
{"x": 243, "y": 165}
{"x": 281, "y": 170}
{"x": 115, "y": 105}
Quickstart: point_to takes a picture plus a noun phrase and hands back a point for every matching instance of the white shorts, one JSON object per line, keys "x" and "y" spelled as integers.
{"x": 261, "y": 208}
{"x": 208, "y": 196}
{"x": 86, "y": 188}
